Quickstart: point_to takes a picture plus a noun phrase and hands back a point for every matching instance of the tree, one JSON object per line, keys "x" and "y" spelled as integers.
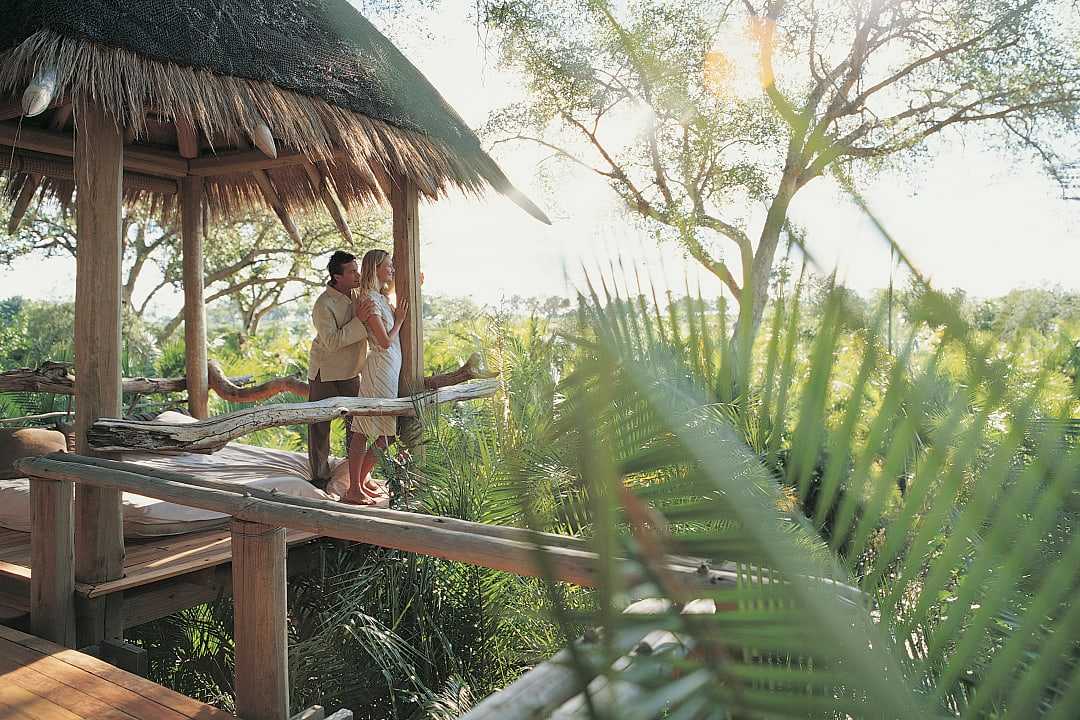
{"x": 256, "y": 266}
{"x": 834, "y": 87}
{"x": 250, "y": 262}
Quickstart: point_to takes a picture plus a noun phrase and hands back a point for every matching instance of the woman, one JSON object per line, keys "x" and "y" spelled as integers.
{"x": 379, "y": 377}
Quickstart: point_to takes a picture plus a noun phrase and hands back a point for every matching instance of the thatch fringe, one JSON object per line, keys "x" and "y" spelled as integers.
{"x": 226, "y": 110}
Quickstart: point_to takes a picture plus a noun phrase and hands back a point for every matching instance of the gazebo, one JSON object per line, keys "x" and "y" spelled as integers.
{"x": 208, "y": 108}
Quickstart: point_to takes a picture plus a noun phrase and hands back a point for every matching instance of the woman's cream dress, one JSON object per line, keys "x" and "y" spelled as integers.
{"x": 379, "y": 377}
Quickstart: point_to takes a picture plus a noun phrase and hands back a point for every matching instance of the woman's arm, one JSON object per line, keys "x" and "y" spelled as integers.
{"x": 399, "y": 318}
{"x": 377, "y": 331}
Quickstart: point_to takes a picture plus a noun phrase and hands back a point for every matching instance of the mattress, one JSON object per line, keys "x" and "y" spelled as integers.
{"x": 248, "y": 465}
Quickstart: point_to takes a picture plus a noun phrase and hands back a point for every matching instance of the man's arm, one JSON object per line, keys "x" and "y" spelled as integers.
{"x": 330, "y": 335}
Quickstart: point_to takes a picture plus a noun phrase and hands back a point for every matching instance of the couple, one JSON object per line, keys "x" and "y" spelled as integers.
{"x": 356, "y": 352}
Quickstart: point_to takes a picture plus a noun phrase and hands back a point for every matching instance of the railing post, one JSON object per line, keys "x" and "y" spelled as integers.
{"x": 52, "y": 560}
{"x": 259, "y": 630}
{"x": 99, "y": 167}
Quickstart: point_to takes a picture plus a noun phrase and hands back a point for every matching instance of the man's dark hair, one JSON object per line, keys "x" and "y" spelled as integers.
{"x": 337, "y": 263}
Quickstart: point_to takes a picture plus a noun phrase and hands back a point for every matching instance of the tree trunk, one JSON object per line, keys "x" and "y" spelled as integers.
{"x": 757, "y": 293}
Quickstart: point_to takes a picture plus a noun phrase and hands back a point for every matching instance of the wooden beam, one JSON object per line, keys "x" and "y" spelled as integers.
{"x": 404, "y": 205}
{"x": 462, "y": 545}
{"x": 10, "y": 109}
{"x": 191, "y": 227}
{"x": 318, "y": 179}
{"x": 144, "y": 160}
{"x": 404, "y": 202}
{"x": 187, "y": 139}
{"x": 262, "y": 179}
{"x": 161, "y": 598}
{"x": 260, "y": 632}
{"x": 99, "y": 533}
{"x": 22, "y": 202}
{"x": 52, "y": 557}
{"x": 435, "y": 521}
{"x": 18, "y": 161}
{"x": 241, "y": 163}
{"x": 213, "y": 433}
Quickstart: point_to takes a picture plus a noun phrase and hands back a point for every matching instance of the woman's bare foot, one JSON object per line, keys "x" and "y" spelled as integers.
{"x": 372, "y": 487}
{"x": 357, "y": 499}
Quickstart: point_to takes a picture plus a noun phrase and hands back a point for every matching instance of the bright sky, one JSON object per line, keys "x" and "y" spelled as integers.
{"x": 969, "y": 217}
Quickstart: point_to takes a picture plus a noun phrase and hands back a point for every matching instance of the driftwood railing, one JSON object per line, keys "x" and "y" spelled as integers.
{"x": 55, "y": 377}
{"x": 213, "y": 433}
{"x": 259, "y": 520}
{"x": 555, "y": 689}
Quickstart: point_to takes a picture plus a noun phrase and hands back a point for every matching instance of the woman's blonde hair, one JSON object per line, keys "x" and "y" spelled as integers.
{"x": 369, "y": 278}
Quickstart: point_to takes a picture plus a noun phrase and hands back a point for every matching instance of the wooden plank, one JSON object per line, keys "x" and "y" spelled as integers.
{"x": 99, "y": 532}
{"x": 213, "y": 433}
{"x": 195, "y": 357}
{"x": 15, "y": 570}
{"x": 165, "y": 568}
{"x": 17, "y": 703}
{"x": 52, "y": 550}
{"x": 61, "y": 669}
{"x": 167, "y": 703}
{"x": 137, "y": 159}
{"x": 147, "y": 603}
{"x": 72, "y": 699}
{"x": 260, "y": 632}
{"x": 163, "y": 598}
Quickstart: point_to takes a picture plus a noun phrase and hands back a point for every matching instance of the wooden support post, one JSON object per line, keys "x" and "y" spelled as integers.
{"x": 194, "y": 302}
{"x": 126, "y": 656}
{"x": 404, "y": 203}
{"x": 259, "y": 629}
{"x": 99, "y": 532}
{"x": 52, "y": 551}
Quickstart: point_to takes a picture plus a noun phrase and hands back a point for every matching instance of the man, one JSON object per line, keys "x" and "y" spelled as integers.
{"x": 337, "y": 352}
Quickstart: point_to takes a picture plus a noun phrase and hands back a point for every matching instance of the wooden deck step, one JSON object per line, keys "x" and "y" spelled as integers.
{"x": 40, "y": 680}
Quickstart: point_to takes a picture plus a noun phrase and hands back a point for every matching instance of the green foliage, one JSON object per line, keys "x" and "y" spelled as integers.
{"x": 964, "y": 571}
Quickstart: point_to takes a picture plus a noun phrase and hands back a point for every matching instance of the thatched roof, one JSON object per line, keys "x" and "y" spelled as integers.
{"x": 327, "y": 84}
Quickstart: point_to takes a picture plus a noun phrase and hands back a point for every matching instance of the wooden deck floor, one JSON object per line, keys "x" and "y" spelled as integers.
{"x": 40, "y": 680}
{"x": 160, "y": 574}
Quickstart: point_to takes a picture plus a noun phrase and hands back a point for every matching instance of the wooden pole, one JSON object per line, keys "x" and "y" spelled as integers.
{"x": 461, "y": 543}
{"x": 194, "y": 303}
{"x": 404, "y": 203}
{"x": 259, "y": 629}
{"x": 99, "y": 532}
{"x": 52, "y": 557}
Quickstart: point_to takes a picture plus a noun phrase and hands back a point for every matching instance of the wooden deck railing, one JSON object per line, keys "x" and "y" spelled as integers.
{"x": 259, "y": 519}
